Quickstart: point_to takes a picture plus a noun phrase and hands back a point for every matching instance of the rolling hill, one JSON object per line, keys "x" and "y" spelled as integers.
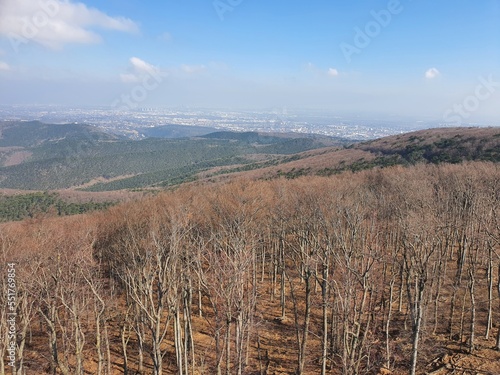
{"x": 54, "y": 157}
{"x": 435, "y": 146}
{"x": 35, "y": 133}
{"x": 176, "y": 131}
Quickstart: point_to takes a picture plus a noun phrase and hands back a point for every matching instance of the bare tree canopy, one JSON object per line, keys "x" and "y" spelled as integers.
{"x": 385, "y": 271}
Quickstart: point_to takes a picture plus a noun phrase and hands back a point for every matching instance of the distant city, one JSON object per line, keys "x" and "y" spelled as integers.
{"x": 133, "y": 123}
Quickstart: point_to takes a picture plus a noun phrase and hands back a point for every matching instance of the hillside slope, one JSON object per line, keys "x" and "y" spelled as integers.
{"x": 441, "y": 145}
{"x": 35, "y": 133}
{"x": 18, "y": 139}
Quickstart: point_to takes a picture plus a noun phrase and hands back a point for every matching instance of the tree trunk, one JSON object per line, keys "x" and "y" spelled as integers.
{"x": 26, "y": 307}
{"x": 54, "y": 359}
{"x": 218, "y": 351}
{"x": 452, "y": 312}
{"x": 334, "y": 336}
{"x": 188, "y": 329}
{"x": 489, "y": 319}
{"x": 228, "y": 346}
{"x": 283, "y": 276}
{"x": 239, "y": 336}
{"x": 200, "y": 302}
{"x": 79, "y": 342}
{"x": 125, "y": 337}
{"x": 324, "y": 295}
{"x": 440, "y": 272}
{"x": 108, "y": 349}
{"x": 401, "y": 289}
{"x": 178, "y": 342}
{"x": 462, "y": 317}
{"x": 387, "y": 327}
{"x": 473, "y": 311}
{"x": 498, "y": 287}
{"x": 417, "y": 322}
{"x": 139, "y": 331}
{"x": 307, "y": 319}
{"x": 98, "y": 341}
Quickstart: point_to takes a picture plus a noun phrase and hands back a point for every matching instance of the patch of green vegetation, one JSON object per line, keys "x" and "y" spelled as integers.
{"x": 247, "y": 167}
{"x": 415, "y": 138}
{"x": 19, "y": 207}
{"x": 445, "y": 150}
{"x": 295, "y": 173}
{"x": 362, "y": 164}
{"x": 292, "y": 158}
{"x": 291, "y": 146}
{"x": 34, "y": 133}
{"x": 166, "y": 177}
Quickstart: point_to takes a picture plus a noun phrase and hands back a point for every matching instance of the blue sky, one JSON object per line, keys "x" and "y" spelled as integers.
{"x": 405, "y": 57}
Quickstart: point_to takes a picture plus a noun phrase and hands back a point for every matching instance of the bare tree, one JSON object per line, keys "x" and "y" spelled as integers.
{"x": 498, "y": 288}
{"x": 418, "y": 249}
{"x": 151, "y": 280}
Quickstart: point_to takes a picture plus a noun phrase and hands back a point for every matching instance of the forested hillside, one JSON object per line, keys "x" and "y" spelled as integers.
{"x": 434, "y": 146}
{"x": 24, "y": 206}
{"x": 388, "y": 271}
{"x": 34, "y": 133}
{"x": 76, "y": 156}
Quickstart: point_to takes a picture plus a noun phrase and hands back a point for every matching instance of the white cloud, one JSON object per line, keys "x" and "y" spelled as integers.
{"x": 141, "y": 66}
{"x": 432, "y": 73}
{"x": 333, "y": 72}
{"x": 55, "y": 23}
{"x": 193, "y": 69}
{"x": 138, "y": 70}
{"x": 320, "y": 73}
{"x": 4, "y": 66}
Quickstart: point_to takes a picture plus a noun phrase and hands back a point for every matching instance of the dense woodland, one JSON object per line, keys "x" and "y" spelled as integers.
{"x": 23, "y": 206}
{"x": 381, "y": 271}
